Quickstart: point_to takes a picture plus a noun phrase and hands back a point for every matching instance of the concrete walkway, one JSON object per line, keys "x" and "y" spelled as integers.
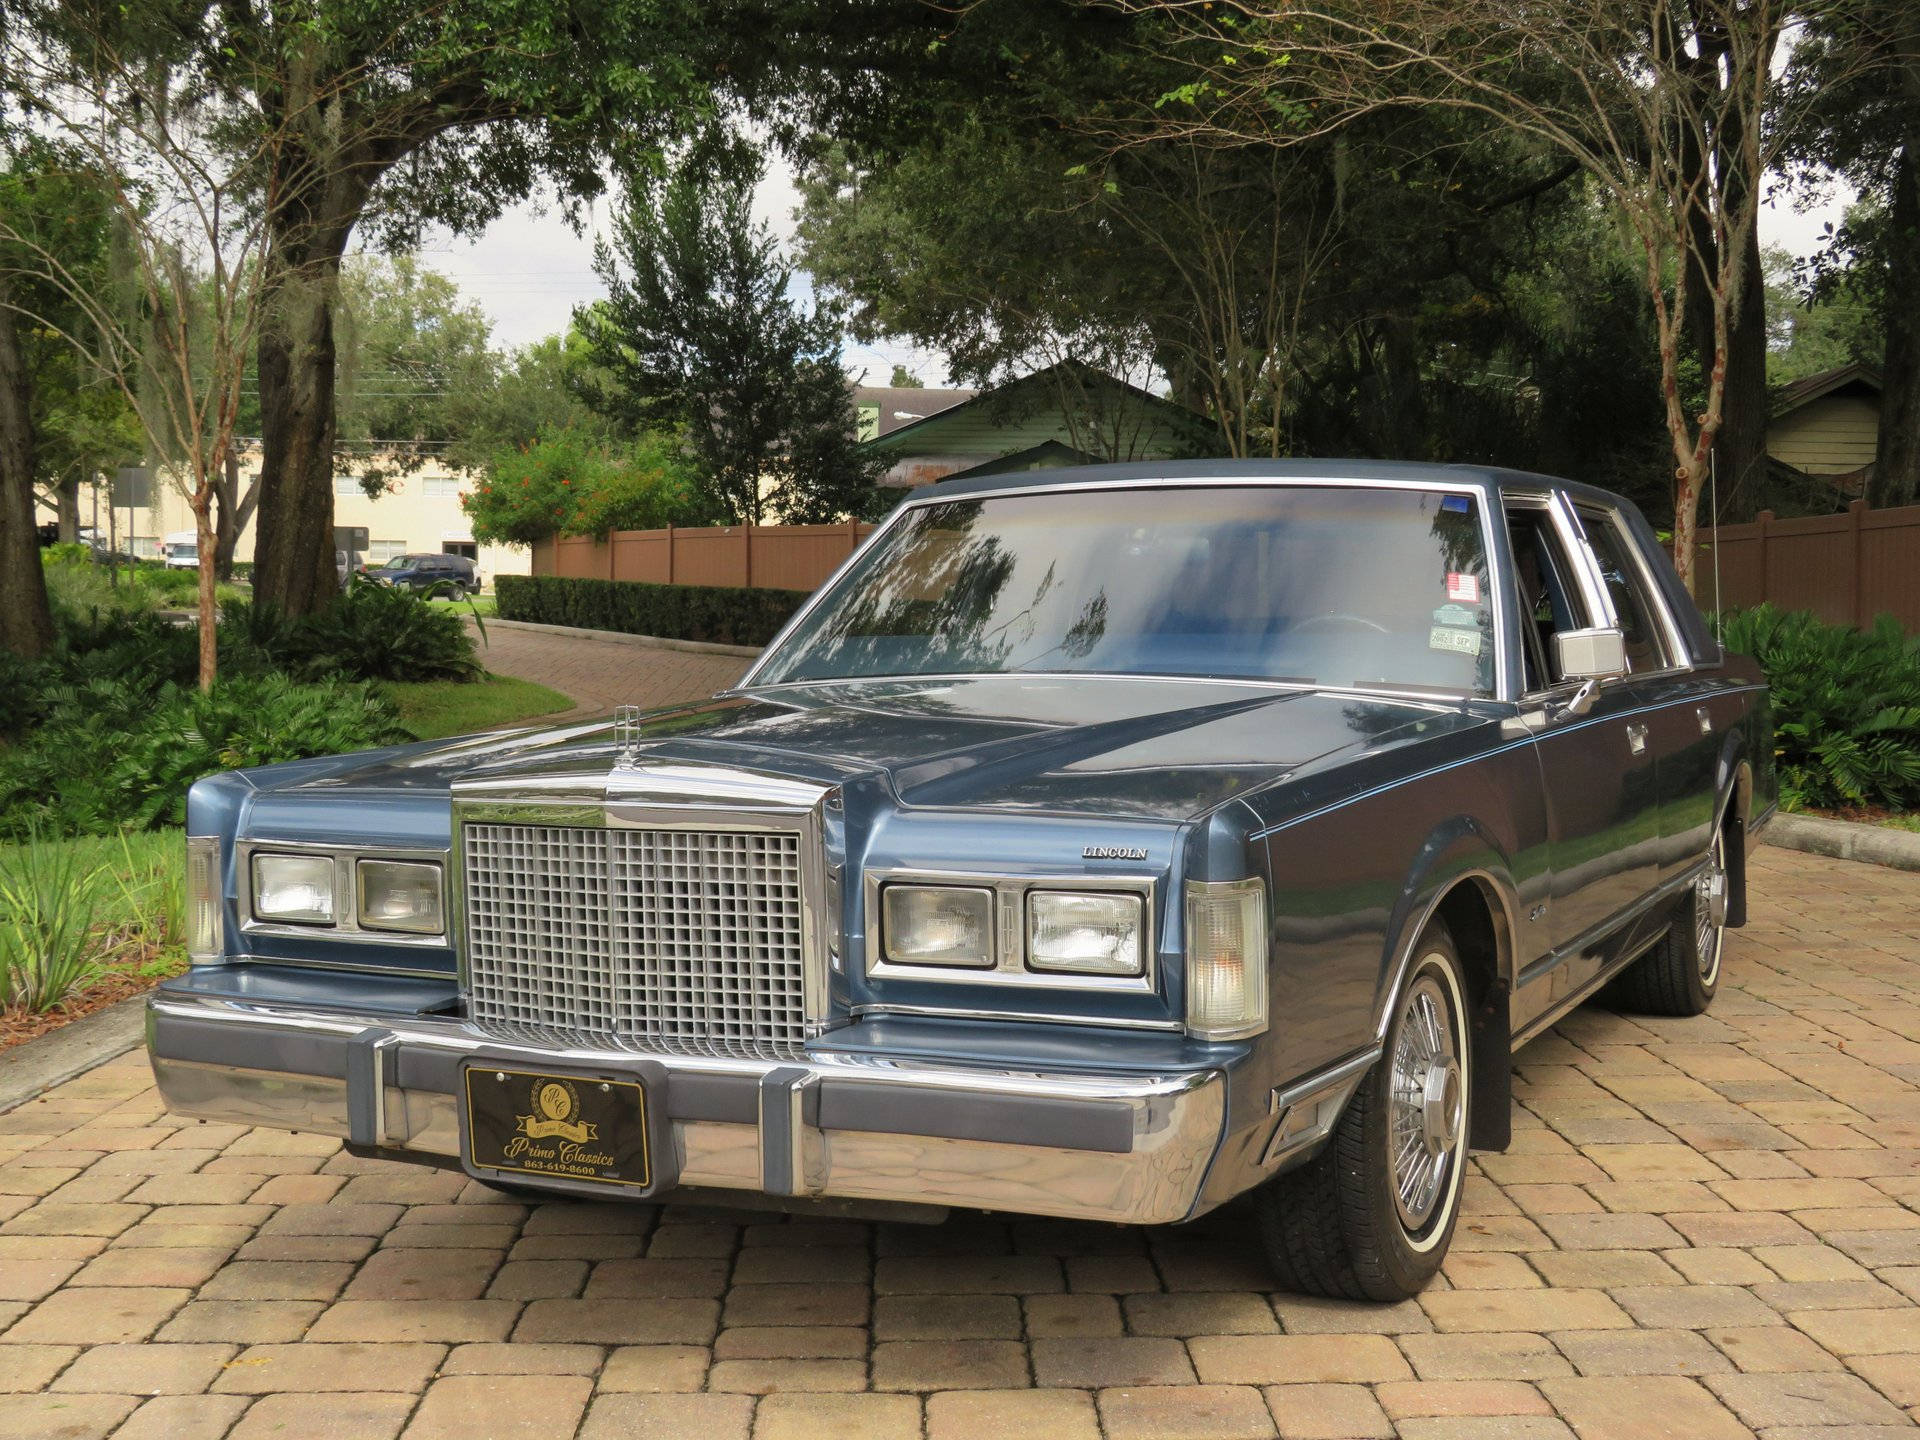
{"x": 600, "y": 673}
{"x": 1705, "y": 1228}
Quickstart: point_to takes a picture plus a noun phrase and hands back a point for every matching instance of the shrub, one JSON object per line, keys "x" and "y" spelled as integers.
{"x": 373, "y": 632}
{"x": 565, "y": 483}
{"x": 113, "y": 755}
{"x": 50, "y": 900}
{"x": 723, "y": 614}
{"x": 1846, "y": 706}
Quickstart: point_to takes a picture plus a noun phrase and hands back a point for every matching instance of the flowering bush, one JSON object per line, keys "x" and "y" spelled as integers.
{"x": 564, "y": 485}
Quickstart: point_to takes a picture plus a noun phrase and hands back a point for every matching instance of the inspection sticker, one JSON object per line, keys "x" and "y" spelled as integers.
{"x": 1456, "y": 615}
{"x": 1452, "y": 637}
{"x": 1463, "y": 587}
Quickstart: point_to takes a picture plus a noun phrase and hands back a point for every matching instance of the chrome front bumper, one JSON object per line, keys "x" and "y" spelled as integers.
{"x": 1130, "y": 1148}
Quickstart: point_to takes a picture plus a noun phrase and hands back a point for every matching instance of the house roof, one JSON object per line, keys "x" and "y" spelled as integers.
{"x": 1012, "y": 396}
{"x": 902, "y": 405}
{"x": 1048, "y": 455}
{"x": 1816, "y": 387}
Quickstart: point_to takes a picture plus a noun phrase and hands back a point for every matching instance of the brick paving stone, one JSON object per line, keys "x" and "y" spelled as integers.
{"x": 669, "y": 1417}
{"x": 345, "y": 1415}
{"x": 1069, "y": 1317}
{"x": 653, "y": 1368}
{"x": 423, "y": 1275}
{"x": 246, "y": 1322}
{"x": 844, "y": 1417}
{"x": 1288, "y": 1359}
{"x": 1029, "y": 1414}
{"x": 1187, "y": 1412}
{"x": 792, "y": 1342}
{"x": 97, "y": 1317}
{"x": 170, "y": 1268}
{"x": 1640, "y": 1352}
{"x": 183, "y": 1417}
{"x": 1417, "y": 1399}
{"x": 347, "y": 1367}
{"x": 766, "y": 1377}
{"x": 1222, "y": 1312}
{"x": 449, "y": 1321}
{"x": 1484, "y": 1356}
{"x": 500, "y": 1408}
{"x": 924, "y": 1365}
{"x": 1117, "y": 1361}
{"x": 619, "y": 1322}
{"x": 144, "y": 1369}
{"x": 1767, "y": 1401}
{"x": 277, "y": 1280}
{"x": 26, "y": 1368}
{"x": 484, "y": 1358}
{"x": 1506, "y": 1310}
{"x": 1652, "y": 1406}
{"x": 62, "y": 1417}
{"x": 796, "y": 1304}
{"x": 1859, "y": 1332}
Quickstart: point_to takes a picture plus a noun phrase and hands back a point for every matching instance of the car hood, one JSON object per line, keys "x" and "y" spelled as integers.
{"x": 1122, "y": 747}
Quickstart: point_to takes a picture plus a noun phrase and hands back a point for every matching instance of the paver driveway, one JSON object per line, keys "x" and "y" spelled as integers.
{"x": 1704, "y": 1227}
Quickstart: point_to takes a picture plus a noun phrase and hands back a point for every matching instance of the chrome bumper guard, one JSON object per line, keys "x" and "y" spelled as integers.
{"x": 1122, "y": 1148}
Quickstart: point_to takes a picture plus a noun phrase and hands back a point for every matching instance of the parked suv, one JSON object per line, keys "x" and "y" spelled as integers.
{"x": 429, "y": 574}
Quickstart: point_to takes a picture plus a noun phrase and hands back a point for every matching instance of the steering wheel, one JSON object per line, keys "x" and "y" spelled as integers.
{"x": 1360, "y": 620}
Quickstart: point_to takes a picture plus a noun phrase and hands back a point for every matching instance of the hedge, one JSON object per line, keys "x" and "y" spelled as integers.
{"x": 721, "y": 614}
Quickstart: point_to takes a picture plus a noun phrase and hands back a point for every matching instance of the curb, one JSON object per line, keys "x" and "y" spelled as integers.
{"x": 620, "y": 637}
{"x": 35, "y": 1067}
{"x": 1846, "y": 840}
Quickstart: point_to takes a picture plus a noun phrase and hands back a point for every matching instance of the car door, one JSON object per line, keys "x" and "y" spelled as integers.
{"x": 1597, "y": 769}
{"x": 1678, "y": 705}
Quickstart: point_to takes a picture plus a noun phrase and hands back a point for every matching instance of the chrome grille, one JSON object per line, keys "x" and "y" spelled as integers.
{"x": 684, "y": 941}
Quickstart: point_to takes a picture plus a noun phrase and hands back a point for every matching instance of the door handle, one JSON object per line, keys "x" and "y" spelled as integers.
{"x": 1705, "y": 718}
{"x": 1637, "y": 738}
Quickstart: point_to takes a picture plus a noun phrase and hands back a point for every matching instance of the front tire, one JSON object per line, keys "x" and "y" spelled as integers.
{"x": 1681, "y": 974}
{"x": 1371, "y": 1216}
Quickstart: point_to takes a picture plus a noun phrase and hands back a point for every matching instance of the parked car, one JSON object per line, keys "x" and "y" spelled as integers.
{"x": 181, "y": 551}
{"x": 1107, "y": 843}
{"x": 429, "y": 574}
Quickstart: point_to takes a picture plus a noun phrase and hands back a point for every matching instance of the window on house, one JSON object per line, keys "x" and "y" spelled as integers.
{"x": 347, "y": 485}
{"x": 381, "y": 551}
{"x": 442, "y": 487}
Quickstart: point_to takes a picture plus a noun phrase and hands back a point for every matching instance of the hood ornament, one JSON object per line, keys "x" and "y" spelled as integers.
{"x": 626, "y": 734}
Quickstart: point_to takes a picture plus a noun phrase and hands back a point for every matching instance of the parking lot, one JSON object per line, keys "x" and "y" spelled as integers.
{"x": 1704, "y": 1228}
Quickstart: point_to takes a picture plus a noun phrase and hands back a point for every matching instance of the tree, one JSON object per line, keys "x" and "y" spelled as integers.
{"x": 699, "y": 334}
{"x": 1860, "y": 76}
{"x": 1818, "y": 321}
{"x": 905, "y": 379}
{"x": 1673, "y": 111}
{"x": 149, "y": 146}
{"x": 416, "y": 356}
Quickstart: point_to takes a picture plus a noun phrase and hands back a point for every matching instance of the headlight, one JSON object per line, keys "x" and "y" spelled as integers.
{"x": 1226, "y": 959}
{"x": 1077, "y": 933}
{"x": 293, "y": 888}
{"x": 400, "y": 895}
{"x": 937, "y": 925}
{"x": 206, "y": 930}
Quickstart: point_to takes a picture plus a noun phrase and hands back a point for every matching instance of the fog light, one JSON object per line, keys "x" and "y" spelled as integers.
{"x": 1226, "y": 958}
{"x": 297, "y": 889}
{"x": 1077, "y": 933}
{"x": 401, "y": 895}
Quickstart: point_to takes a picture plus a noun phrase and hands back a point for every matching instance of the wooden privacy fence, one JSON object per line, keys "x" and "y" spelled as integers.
{"x": 763, "y": 557}
{"x": 1845, "y": 568}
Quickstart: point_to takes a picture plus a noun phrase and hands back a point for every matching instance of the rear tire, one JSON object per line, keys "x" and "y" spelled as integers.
{"x": 1680, "y": 975}
{"x": 1371, "y": 1216}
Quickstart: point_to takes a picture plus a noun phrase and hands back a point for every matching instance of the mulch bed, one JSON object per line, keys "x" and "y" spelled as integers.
{"x": 1863, "y": 814}
{"x": 19, "y": 1026}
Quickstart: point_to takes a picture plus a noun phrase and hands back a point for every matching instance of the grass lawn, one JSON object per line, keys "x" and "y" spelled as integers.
{"x": 85, "y": 922}
{"x": 434, "y": 709}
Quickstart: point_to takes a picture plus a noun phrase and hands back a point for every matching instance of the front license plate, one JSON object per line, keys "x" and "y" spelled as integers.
{"x": 561, "y": 1127}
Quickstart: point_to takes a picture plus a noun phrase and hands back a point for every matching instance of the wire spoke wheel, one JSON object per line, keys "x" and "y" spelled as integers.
{"x": 1710, "y": 911}
{"x": 1428, "y": 1101}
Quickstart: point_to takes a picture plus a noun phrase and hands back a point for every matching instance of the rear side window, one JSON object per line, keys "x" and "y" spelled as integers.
{"x": 1626, "y": 587}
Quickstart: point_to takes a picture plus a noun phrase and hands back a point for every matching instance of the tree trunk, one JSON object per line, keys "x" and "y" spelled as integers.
{"x": 66, "y": 500}
{"x": 26, "y": 621}
{"x": 293, "y": 564}
{"x": 232, "y": 515}
{"x": 205, "y": 546}
{"x": 1740, "y": 444}
{"x": 1896, "y": 471}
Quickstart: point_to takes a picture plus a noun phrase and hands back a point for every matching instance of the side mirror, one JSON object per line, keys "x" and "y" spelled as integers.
{"x": 1590, "y": 656}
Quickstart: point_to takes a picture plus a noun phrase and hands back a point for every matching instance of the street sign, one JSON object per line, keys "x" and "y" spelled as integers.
{"x": 132, "y": 488}
{"x": 350, "y": 537}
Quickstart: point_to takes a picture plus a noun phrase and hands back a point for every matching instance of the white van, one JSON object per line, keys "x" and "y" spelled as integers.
{"x": 181, "y": 550}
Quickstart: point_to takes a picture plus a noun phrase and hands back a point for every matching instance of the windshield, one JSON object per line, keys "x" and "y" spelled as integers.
{"x": 1325, "y": 585}
{"x": 180, "y": 550}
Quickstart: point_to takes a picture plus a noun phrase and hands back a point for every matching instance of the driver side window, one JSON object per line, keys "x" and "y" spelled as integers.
{"x": 1550, "y": 601}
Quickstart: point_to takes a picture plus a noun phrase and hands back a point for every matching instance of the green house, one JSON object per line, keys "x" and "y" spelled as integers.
{"x": 1066, "y": 414}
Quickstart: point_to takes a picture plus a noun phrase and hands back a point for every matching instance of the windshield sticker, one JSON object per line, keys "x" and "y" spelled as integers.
{"x": 1450, "y": 637}
{"x": 1457, "y": 615}
{"x": 1456, "y": 505}
{"x": 1463, "y": 587}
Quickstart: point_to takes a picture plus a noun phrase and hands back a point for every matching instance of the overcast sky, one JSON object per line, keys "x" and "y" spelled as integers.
{"x": 529, "y": 269}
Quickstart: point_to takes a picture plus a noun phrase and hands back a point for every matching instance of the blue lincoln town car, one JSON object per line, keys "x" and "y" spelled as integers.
{"x": 1110, "y": 843}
